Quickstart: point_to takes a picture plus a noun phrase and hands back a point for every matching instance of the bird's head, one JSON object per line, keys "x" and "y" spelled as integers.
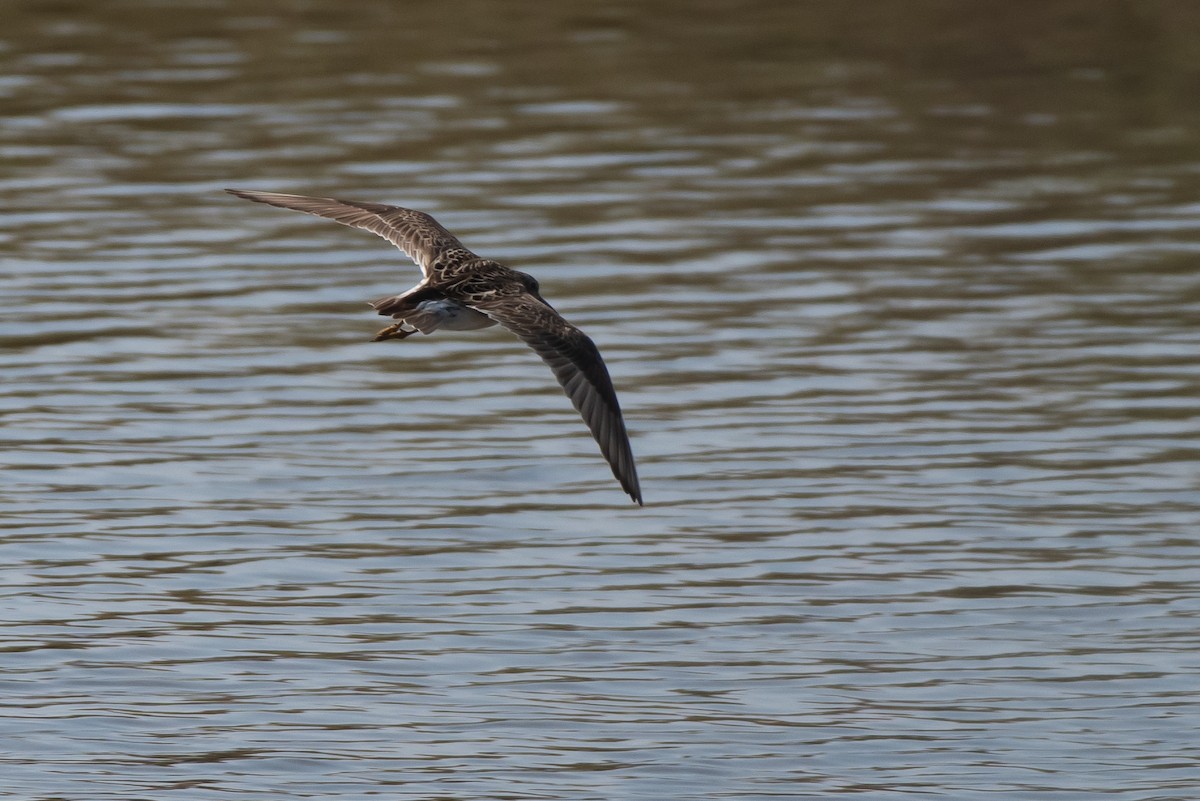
{"x": 531, "y": 284}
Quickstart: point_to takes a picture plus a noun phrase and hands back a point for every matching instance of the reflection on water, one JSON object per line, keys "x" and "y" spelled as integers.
{"x": 901, "y": 306}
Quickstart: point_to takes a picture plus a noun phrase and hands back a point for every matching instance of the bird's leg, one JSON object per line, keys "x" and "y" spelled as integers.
{"x": 393, "y": 331}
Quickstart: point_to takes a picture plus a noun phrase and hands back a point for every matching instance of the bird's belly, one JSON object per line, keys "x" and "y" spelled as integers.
{"x": 453, "y": 316}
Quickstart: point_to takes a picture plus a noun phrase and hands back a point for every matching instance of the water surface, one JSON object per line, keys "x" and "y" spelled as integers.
{"x": 902, "y": 308}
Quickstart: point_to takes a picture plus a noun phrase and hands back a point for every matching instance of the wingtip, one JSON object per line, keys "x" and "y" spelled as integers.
{"x": 250, "y": 194}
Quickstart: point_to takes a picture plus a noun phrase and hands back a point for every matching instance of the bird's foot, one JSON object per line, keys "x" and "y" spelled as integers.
{"x": 394, "y": 331}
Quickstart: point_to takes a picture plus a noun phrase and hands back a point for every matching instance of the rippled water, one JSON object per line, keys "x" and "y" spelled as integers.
{"x": 902, "y": 308}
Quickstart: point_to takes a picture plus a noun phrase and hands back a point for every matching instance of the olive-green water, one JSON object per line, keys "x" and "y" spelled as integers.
{"x": 902, "y": 302}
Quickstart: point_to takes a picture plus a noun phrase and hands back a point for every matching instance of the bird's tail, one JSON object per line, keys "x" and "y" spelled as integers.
{"x": 389, "y": 305}
{"x": 426, "y": 317}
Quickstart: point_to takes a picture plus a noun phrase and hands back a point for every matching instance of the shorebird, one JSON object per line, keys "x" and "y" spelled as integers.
{"x": 460, "y": 291}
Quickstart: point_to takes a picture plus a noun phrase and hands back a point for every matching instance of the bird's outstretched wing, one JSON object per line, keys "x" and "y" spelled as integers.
{"x": 578, "y": 367}
{"x": 420, "y": 236}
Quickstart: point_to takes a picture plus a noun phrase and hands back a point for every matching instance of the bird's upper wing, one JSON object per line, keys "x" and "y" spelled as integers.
{"x": 420, "y": 236}
{"x": 578, "y": 367}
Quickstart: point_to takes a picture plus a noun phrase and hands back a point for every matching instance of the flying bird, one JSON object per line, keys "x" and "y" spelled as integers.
{"x": 460, "y": 291}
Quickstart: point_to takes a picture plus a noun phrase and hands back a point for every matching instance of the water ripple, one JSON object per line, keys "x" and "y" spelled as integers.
{"x": 904, "y": 331}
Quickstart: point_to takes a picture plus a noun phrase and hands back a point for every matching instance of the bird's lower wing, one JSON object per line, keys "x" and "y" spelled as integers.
{"x": 577, "y": 365}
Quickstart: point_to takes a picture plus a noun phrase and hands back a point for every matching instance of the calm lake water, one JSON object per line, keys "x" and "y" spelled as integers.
{"x": 902, "y": 302}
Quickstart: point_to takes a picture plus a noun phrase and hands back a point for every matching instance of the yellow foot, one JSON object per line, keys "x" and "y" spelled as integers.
{"x": 394, "y": 331}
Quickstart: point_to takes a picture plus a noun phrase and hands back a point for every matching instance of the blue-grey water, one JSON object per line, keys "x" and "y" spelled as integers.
{"x": 902, "y": 302}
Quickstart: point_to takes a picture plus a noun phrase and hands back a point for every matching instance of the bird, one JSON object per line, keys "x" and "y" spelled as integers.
{"x": 460, "y": 291}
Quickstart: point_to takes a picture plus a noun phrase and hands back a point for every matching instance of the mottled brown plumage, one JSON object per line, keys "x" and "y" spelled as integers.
{"x": 461, "y": 291}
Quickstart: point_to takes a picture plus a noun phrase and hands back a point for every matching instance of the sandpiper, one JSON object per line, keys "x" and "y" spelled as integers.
{"x": 460, "y": 291}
